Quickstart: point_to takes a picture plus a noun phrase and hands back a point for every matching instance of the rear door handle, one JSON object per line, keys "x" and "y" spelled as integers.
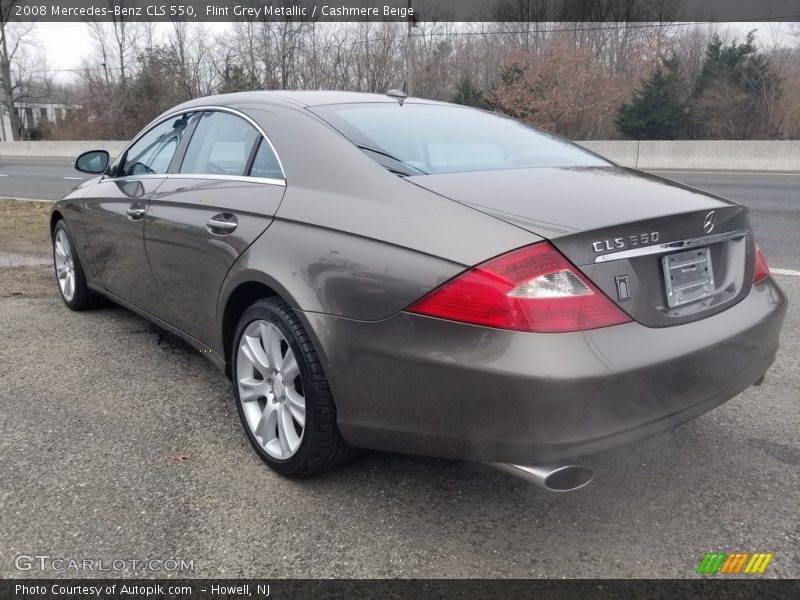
{"x": 136, "y": 212}
{"x": 222, "y": 224}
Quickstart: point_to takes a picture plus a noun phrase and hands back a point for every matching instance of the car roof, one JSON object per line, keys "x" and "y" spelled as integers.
{"x": 294, "y": 98}
{"x": 319, "y": 97}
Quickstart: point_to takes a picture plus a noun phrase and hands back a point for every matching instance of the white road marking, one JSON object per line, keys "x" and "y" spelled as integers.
{"x": 3, "y": 174}
{"x": 81, "y": 178}
{"x": 789, "y": 272}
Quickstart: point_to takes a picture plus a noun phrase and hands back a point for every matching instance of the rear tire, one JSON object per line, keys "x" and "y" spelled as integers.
{"x": 70, "y": 276}
{"x": 282, "y": 394}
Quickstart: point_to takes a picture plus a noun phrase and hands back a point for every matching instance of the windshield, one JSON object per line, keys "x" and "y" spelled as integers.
{"x": 429, "y": 138}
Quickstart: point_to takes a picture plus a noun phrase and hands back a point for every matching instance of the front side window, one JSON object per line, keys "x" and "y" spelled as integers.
{"x": 220, "y": 145}
{"x": 153, "y": 152}
{"x": 428, "y": 138}
{"x": 163, "y": 155}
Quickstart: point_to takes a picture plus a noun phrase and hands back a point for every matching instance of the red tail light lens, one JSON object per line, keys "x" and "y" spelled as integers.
{"x": 761, "y": 269}
{"x": 530, "y": 289}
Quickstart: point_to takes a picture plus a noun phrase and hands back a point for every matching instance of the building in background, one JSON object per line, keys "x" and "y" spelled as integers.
{"x": 37, "y": 119}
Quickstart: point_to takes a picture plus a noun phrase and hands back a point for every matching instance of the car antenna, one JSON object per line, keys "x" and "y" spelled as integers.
{"x": 399, "y": 95}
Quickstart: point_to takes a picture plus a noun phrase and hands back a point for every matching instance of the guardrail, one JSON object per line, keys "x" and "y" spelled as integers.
{"x": 50, "y": 149}
{"x": 647, "y": 155}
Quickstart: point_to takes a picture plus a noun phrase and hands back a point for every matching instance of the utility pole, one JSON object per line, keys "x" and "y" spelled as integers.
{"x": 412, "y": 22}
{"x": 527, "y": 26}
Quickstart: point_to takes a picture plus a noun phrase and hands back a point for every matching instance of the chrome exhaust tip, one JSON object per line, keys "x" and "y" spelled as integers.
{"x": 554, "y": 477}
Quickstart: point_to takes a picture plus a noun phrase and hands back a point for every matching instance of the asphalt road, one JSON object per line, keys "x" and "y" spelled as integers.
{"x": 43, "y": 178}
{"x": 119, "y": 442}
{"x": 774, "y": 199}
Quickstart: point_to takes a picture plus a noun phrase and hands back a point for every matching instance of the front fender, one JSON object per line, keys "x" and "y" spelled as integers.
{"x": 70, "y": 208}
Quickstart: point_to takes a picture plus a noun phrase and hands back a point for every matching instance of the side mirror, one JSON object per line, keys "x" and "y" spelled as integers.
{"x": 93, "y": 161}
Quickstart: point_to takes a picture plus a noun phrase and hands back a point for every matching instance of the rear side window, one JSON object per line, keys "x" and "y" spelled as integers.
{"x": 153, "y": 152}
{"x": 220, "y": 145}
{"x": 265, "y": 163}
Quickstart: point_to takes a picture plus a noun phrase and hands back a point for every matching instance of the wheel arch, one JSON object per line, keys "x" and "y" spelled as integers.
{"x": 241, "y": 297}
{"x": 241, "y": 290}
{"x": 55, "y": 217}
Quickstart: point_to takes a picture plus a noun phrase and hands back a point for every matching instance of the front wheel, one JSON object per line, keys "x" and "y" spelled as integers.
{"x": 282, "y": 394}
{"x": 69, "y": 272}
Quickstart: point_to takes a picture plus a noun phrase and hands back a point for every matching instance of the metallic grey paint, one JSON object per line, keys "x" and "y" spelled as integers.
{"x": 450, "y": 389}
{"x": 189, "y": 259}
{"x": 349, "y": 246}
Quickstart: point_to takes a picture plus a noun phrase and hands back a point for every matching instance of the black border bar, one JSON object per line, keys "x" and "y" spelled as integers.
{"x": 704, "y": 587}
{"x": 521, "y": 11}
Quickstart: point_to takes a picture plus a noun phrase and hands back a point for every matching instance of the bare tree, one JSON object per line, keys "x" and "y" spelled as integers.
{"x": 185, "y": 42}
{"x": 23, "y": 70}
{"x": 8, "y": 50}
{"x": 690, "y": 48}
{"x": 565, "y": 89}
{"x": 790, "y": 107}
{"x": 573, "y": 75}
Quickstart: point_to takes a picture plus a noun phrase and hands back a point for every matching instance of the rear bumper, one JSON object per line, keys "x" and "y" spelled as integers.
{"x": 419, "y": 385}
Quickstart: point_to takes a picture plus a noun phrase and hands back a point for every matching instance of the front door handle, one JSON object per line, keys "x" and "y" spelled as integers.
{"x": 136, "y": 212}
{"x": 222, "y": 224}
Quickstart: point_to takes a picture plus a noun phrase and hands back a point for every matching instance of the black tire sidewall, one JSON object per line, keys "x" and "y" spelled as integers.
{"x": 272, "y": 311}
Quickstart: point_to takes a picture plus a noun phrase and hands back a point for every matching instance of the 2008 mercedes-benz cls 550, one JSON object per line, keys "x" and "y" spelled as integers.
{"x": 405, "y": 275}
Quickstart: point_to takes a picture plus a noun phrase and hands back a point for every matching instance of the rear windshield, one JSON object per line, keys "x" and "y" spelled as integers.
{"x": 428, "y": 138}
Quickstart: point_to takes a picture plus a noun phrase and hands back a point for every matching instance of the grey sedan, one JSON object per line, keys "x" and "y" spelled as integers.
{"x": 405, "y": 275}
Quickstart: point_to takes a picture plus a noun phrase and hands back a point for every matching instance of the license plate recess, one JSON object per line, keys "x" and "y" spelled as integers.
{"x": 688, "y": 276}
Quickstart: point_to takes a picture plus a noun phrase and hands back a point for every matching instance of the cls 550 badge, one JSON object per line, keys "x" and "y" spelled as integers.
{"x": 631, "y": 241}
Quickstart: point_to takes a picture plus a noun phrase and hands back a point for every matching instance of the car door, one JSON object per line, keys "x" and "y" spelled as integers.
{"x": 222, "y": 197}
{"x": 114, "y": 214}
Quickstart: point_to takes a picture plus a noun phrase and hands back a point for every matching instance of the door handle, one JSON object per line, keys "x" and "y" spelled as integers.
{"x": 222, "y": 224}
{"x": 135, "y": 212}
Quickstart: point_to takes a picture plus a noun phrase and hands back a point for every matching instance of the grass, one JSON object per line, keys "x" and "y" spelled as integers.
{"x": 24, "y": 227}
{"x": 24, "y": 231}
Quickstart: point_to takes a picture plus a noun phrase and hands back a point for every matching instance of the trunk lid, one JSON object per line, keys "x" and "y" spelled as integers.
{"x": 617, "y": 226}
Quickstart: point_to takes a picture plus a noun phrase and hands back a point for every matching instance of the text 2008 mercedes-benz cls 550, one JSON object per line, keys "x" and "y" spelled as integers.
{"x": 406, "y": 275}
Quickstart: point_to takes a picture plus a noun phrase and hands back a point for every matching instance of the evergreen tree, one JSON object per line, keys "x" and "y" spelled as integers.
{"x": 468, "y": 93}
{"x": 730, "y": 62}
{"x": 735, "y": 92}
{"x": 658, "y": 110}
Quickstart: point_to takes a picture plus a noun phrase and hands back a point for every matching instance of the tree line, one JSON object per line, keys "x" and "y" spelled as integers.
{"x": 584, "y": 80}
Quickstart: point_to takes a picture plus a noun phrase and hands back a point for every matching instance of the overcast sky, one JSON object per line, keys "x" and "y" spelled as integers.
{"x": 65, "y": 44}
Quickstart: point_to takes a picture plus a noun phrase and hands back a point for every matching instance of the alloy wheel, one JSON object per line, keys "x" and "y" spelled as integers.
{"x": 271, "y": 389}
{"x": 65, "y": 267}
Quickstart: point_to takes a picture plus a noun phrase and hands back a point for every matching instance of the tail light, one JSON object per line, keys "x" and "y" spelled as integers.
{"x": 761, "y": 269}
{"x": 530, "y": 289}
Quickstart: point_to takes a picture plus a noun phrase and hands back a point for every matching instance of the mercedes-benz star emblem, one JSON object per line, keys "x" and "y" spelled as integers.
{"x": 710, "y": 221}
